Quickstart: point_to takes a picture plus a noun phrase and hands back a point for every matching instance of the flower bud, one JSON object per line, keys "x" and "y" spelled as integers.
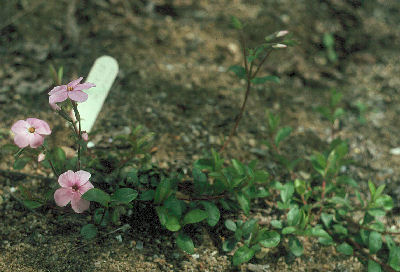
{"x": 281, "y": 33}
{"x": 55, "y": 107}
{"x": 85, "y": 136}
{"x": 41, "y": 157}
{"x": 279, "y": 45}
{"x": 72, "y": 116}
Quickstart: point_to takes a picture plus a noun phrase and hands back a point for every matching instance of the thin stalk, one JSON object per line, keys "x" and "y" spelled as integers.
{"x": 250, "y": 75}
{"x": 78, "y": 132}
{"x": 51, "y": 163}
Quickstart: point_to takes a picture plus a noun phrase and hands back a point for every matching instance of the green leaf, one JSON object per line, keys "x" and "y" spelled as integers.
{"x": 325, "y": 241}
{"x": 213, "y": 213}
{"x": 326, "y": 219}
{"x": 389, "y": 242}
{"x": 230, "y": 225}
{"x": 244, "y": 202}
{"x": 194, "y": 216}
{"x": 89, "y": 231}
{"x": 270, "y": 239}
{"x": 10, "y": 149}
{"x": 31, "y": 204}
{"x": 243, "y": 255}
{"x": 339, "y": 229}
{"x": 328, "y": 40}
{"x": 394, "y": 258}
{"x": 293, "y": 216}
{"x": 347, "y": 180}
{"x": 282, "y": 134}
{"x": 385, "y": 201}
{"x": 261, "y": 176}
{"x": 288, "y": 230}
{"x": 147, "y": 195}
{"x": 174, "y": 206}
{"x": 377, "y": 226}
{"x": 273, "y": 122}
{"x": 359, "y": 198}
{"x": 376, "y": 212}
{"x": 170, "y": 222}
{"x": 204, "y": 164}
{"x": 98, "y": 196}
{"x": 262, "y": 80}
{"x": 339, "y": 112}
{"x": 236, "y": 23}
{"x": 379, "y": 191}
{"x": 59, "y": 154}
{"x": 375, "y": 242}
{"x": 318, "y": 162}
{"x": 199, "y": 180}
{"x": 249, "y": 226}
{"x": 319, "y": 232}
{"x": 124, "y": 195}
{"x": 101, "y": 217}
{"x": 295, "y": 246}
{"x": 163, "y": 190}
{"x": 373, "y": 266}
{"x": 185, "y": 243}
{"x": 372, "y": 188}
{"x": 276, "y": 224}
{"x": 229, "y": 244}
{"x": 240, "y": 71}
{"x": 345, "y": 248}
{"x": 336, "y": 97}
{"x": 60, "y": 74}
{"x": 287, "y": 192}
{"x": 300, "y": 186}
{"x": 21, "y": 162}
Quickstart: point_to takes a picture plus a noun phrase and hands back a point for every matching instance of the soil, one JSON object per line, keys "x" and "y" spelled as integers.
{"x": 173, "y": 80}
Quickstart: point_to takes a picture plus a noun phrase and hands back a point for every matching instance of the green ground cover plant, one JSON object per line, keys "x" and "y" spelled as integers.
{"x": 328, "y": 207}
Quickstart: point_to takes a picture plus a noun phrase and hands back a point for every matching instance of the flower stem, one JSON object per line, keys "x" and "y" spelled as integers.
{"x": 51, "y": 163}
{"x": 78, "y": 132}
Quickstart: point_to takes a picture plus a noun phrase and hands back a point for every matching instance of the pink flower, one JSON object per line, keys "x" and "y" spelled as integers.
{"x": 85, "y": 136}
{"x": 73, "y": 186}
{"x": 30, "y": 132}
{"x": 41, "y": 157}
{"x": 72, "y": 90}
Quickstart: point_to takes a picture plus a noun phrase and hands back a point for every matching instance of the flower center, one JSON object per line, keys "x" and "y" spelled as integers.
{"x": 31, "y": 129}
{"x": 69, "y": 88}
{"x": 75, "y": 188}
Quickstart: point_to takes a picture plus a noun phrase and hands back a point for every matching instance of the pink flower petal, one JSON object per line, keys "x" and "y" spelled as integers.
{"x": 58, "y": 97}
{"x": 85, "y": 187}
{"x": 22, "y": 139}
{"x": 41, "y": 127}
{"x": 82, "y": 176}
{"x": 20, "y": 126}
{"x": 75, "y": 82}
{"x": 58, "y": 89}
{"x": 67, "y": 179}
{"x": 63, "y": 196}
{"x": 35, "y": 140}
{"x": 78, "y": 204}
{"x": 84, "y": 86}
{"x": 78, "y": 96}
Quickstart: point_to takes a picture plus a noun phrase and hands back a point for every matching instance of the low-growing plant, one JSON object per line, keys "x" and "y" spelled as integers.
{"x": 329, "y": 206}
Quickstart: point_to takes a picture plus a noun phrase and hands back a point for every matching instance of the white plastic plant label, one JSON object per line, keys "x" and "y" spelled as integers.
{"x": 103, "y": 74}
